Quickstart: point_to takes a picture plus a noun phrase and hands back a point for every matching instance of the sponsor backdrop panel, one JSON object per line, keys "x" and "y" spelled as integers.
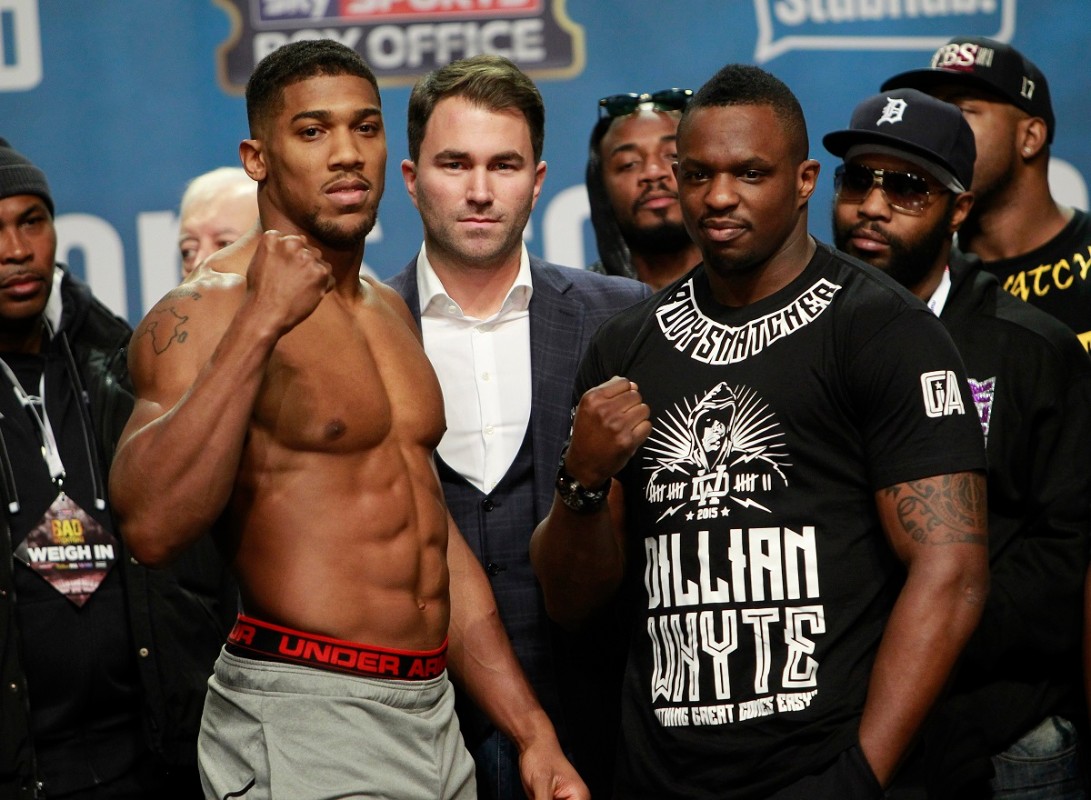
{"x": 121, "y": 102}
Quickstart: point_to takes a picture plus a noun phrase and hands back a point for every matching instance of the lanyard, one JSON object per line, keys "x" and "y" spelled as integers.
{"x": 36, "y": 405}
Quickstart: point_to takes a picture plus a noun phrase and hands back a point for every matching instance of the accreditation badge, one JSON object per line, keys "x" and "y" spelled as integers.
{"x": 70, "y": 550}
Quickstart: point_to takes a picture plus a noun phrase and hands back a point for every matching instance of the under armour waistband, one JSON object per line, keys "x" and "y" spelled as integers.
{"x": 252, "y": 638}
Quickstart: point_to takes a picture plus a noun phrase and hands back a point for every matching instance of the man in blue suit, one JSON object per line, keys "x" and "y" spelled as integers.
{"x": 505, "y": 332}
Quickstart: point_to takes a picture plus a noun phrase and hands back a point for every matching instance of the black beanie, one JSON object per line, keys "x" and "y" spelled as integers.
{"x": 19, "y": 176}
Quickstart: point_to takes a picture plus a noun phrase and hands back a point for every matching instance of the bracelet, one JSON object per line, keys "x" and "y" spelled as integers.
{"x": 574, "y": 494}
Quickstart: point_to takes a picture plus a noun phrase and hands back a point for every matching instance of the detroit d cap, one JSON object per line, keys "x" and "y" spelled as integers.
{"x": 19, "y": 176}
{"x": 906, "y": 122}
{"x": 985, "y": 64}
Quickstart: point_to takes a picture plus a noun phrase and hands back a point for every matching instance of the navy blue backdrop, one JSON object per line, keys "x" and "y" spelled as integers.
{"x": 122, "y": 101}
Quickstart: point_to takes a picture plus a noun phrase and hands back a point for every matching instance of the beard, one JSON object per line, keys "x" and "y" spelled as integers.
{"x": 663, "y": 237}
{"x": 908, "y": 262}
{"x": 338, "y": 236}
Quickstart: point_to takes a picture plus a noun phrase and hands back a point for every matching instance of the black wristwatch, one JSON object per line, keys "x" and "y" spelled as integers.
{"x": 575, "y": 495}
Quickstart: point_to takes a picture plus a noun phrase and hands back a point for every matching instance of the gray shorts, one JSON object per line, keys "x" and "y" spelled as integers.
{"x": 288, "y": 732}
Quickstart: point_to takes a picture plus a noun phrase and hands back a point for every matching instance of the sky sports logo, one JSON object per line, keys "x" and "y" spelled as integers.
{"x": 403, "y": 39}
{"x": 20, "y": 45}
{"x": 785, "y": 25}
{"x": 377, "y": 10}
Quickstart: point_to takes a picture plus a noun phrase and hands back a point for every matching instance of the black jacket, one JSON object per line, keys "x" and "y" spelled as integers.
{"x": 178, "y": 617}
{"x": 1033, "y": 388}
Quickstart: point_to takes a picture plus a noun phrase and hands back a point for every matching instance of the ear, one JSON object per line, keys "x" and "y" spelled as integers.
{"x": 253, "y": 158}
{"x": 539, "y": 179}
{"x": 409, "y": 175}
{"x": 961, "y": 209}
{"x": 1033, "y": 136}
{"x": 806, "y": 180}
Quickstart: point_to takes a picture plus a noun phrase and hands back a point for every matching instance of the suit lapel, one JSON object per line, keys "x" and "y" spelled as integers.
{"x": 556, "y": 328}
{"x": 556, "y": 334}
{"x": 405, "y": 284}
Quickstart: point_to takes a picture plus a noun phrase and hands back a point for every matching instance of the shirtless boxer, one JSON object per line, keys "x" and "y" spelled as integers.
{"x": 290, "y": 404}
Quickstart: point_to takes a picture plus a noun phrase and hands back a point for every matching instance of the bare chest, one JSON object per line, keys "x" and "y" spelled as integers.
{"x": 347, "y": 383}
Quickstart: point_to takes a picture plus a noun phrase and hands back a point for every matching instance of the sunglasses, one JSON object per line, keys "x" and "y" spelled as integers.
{"x": 619, "y": 105}
{"x": 904, "y": 191}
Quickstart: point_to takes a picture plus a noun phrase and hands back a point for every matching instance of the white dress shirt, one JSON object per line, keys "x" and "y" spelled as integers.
{"x": 483, "y": 367}
{"x": 939, "y": 297}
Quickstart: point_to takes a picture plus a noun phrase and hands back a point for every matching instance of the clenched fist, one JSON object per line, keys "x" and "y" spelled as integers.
{"x": 611, "y": 423}
{"x": 287, "y": 278}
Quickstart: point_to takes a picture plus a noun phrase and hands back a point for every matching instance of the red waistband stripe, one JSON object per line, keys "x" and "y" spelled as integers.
{"x": 252, "y": 638}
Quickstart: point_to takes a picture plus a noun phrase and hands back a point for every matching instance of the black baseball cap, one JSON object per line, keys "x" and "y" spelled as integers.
{"x": 986, "y": 64}
{"x": 917, "y": 127}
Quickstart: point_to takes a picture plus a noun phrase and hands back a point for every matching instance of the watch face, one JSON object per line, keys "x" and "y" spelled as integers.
{"x": 575, "y": 496}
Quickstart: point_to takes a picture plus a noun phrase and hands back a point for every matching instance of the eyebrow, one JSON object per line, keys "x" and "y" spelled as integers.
{"x": 37, "y": 207}
{"x": 758, "y": 162}
{"x": 626, "y": 146}
{"x": 325, "y": 115}
{"x": 457, "y": 155}
{"x": 753, "y": 162}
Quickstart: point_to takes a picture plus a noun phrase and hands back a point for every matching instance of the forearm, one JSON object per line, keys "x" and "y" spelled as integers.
{"x": 578, "y": 560}
{"x": 938, "y": 528}
{"x": 481, "y": 657}
{"x": 482, "y": 661}
{"x": 173, "y": 475}
{"x": 579, "y": 556}
{"x": 931, "y": 621}
{"x": 484, "y": 664}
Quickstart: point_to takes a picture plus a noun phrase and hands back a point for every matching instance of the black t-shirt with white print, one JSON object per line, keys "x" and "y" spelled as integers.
{"x": 758, "y": 575}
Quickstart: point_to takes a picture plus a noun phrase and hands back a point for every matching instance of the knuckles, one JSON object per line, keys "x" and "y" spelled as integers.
{"x": 275, "y": 247}
{"x": 617, "y": 422}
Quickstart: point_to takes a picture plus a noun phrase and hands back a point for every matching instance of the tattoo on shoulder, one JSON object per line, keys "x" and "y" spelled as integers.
{"x": 165, "y": 324}
{"x": 948, "y": 509}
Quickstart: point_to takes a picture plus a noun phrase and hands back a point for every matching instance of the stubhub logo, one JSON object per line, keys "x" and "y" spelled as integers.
{"x": 785, "y": 25}
{"x": 20, "y": 45}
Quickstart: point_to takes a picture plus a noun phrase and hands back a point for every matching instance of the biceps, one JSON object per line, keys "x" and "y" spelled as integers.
{"x": 936, "y": 512}
{"x": 160, "y": 381}
{"x": 174, "y": 342}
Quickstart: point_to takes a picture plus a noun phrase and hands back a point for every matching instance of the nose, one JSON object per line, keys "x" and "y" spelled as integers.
{"x": 874, "y": 204}
{"x": 345, "y": 152}
{"x": 479, "y": 188}
{"x": 14, "y": 248}
{"x": 721, "y": 193}
{"x": 656, "y": 169}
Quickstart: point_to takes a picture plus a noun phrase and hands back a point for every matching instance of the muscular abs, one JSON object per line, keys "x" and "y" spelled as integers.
{"x": 336, "y": 524}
